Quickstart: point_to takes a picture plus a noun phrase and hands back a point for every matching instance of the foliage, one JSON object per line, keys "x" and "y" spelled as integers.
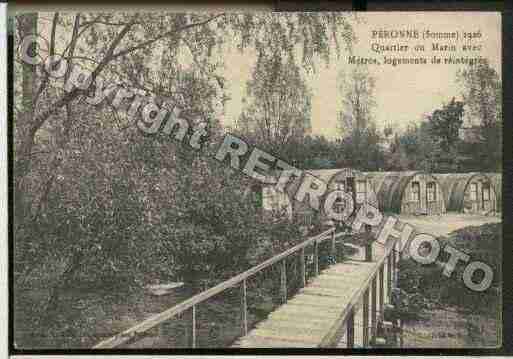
{"x": 482, "y": 94}
{"x": 361, "y": 143}
{"x": 363, "y": 150}
{"x": 358, "y": 101}
{"x": 483, "y": 244}
{"x": 99, "y": 205}
{"x": 433, "y": 145}
{"x": 445, "y": 124}
{"x": 278, "y": 103}
{"x": 414, "y": 149}
{"x": 312, "y": 152}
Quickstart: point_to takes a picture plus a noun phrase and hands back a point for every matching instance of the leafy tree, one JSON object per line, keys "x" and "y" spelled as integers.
{"x": 444, "y": 128}
{"x": 361, "y": 144}
{"x": 358, "y": 102}
{"x": 120, "y": 48}
{"x": 100, "y": 204}
{"x": 278, "y": 103}
{"x": 482, "y": 94}
{"x": 311, "y": 152}
{"x": 362, "y": 149}
{"x": 414, "y": 149}
{"x": 445, "y": 124}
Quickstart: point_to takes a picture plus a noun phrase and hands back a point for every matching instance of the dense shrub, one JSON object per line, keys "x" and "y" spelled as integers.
{"x": 482, "y": 243}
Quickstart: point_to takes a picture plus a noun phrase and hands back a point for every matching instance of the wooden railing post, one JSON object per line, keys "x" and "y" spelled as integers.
{"x": 302, "y": 267}
{"x": 283, "y": 281}
{"x": 394, "y": 266}
{"x": 194, "y": 326}
{"x": 389, "y": 277}
{"x": 373, "y": 307}
{"x": 381, "y": 288}
{"x": 333, "y": 251}
{"x": 316, "y": 258}
{"x": 350, "y": 329}
{"x": 365, "y": 312}
{"x": 243, "y": 308}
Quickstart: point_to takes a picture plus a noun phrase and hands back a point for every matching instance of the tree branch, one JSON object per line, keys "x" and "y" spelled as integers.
{"x": 44, "y": 82}
{"x": 73, "y": 44}
{"x": 167, "y": 34}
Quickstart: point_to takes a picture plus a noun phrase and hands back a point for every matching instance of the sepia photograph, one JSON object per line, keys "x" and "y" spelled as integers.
{"x": 256, "y": 179}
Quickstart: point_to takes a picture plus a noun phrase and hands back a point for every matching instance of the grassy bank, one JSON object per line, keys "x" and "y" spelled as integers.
{"x": 445, "y": 313}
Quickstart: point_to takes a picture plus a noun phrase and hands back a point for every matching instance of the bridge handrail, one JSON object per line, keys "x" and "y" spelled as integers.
{"x": 157, "y": 319}
{"x": 330, "y": 337}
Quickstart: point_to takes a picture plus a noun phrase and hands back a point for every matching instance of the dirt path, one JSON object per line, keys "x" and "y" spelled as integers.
{"x": 444, "y": 224}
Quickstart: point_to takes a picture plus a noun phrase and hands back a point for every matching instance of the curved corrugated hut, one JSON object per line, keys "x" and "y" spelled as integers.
{"x": 346, "y": 179}
{"x": 355, "y": 182}
{"x": 468, "y": 192}
{"x": 408, "y": 192}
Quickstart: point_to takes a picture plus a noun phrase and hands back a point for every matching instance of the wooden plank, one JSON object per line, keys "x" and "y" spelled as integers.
{"x": 183, "y": 306}
{"x": 307, "y": 307}
{"x": 244, "y": 308}
{"x": 299, "y": 312}
{"x": 316, "y": 300}
{"x": 291, "y": 334}
{"x": 266, "y": 342}
{"x": 286, "y": 324}
{"x": 347, "y": 282}
{"x": 326, "y": 292}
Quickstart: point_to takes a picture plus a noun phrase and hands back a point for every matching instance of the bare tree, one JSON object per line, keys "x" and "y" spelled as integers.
{"x": 357, "y": 89}
{"x": 278, "y": 102}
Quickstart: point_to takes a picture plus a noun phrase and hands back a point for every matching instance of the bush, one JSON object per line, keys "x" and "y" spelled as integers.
{"x": 482, "y": 243}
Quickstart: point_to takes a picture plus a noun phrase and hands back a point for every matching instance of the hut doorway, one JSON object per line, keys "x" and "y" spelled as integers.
{"x": 485, "y": 195}
{"x": 351, "y": 187}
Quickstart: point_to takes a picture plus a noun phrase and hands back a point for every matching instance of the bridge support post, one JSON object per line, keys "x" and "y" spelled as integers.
{"x": 283, "y": 281}
{"x": 333, "y": 247}
{"x": 243, "y": 308}
{"x": 316, "y": 258}
{"x": 194, "y": 326}
{"x": 389, "y": 277}
{"x": 350, "y": 329}
{"x": 373, "y": 307}
{"x": 365, "y": 312}
{"x": 302, "y": 267}
{"x": 394, "y": 266}
{"x": 381, "y": 289}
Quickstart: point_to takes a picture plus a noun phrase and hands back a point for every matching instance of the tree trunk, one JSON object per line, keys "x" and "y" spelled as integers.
{"x": 27, "y": 25}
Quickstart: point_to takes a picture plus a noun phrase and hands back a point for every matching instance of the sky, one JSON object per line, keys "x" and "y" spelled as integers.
{"x": 404, "y": 93}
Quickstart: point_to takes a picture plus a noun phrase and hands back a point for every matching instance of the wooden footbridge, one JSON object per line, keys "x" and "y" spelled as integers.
{"x": 340, "y": 306}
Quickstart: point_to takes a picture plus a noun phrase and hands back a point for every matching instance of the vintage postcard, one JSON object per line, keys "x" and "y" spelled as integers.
{"x": 210, "y": 179}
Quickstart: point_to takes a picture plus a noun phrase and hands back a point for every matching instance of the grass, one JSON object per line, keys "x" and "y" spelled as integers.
{"x": 461, "y": 317}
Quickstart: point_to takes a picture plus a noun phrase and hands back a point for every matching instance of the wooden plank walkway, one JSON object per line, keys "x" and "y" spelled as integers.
{"x": 314, "y": 316}
{"x": 324, "y": 313}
